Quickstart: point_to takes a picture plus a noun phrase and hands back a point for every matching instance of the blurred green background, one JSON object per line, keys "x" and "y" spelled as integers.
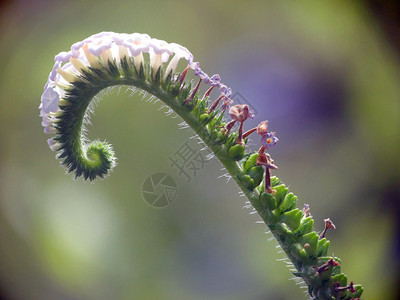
{"x": 324, "y": 73}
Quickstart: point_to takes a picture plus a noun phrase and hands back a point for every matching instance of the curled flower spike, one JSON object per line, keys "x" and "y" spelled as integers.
{"x": 93, "y": 64}
{"x": 109, "y": 59}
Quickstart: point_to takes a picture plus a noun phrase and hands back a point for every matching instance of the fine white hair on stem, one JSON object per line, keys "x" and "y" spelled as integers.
{"x": 183, "y": 125}
{"x": 282, "y": 259}
{"x": 227, "y": 176}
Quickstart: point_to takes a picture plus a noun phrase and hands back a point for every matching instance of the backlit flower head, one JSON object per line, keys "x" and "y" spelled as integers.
{"x": 104, "y": 48}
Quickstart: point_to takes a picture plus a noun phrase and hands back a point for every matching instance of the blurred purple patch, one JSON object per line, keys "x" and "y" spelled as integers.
{"x": 294, "y": 90}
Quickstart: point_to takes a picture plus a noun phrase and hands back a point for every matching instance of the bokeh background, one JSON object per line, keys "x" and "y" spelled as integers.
{"x": 324, "y": 73}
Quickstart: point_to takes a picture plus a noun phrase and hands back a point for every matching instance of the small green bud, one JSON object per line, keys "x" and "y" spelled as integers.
{"x": 281, "y": 191}
{"x": 283, "y": 229}
{"x": 273, "y": 216}
{"x": 359, "y": 290}
{"x": 313, "y": 278}
{"x": 306, "y": 225}
{"x": 288, "y": 203}
{"x": 250, "y": 162}
{"x": 195, "y": 110}
{"x": 212, "y": 130}
{"x": 204, "y": 118}
{"x": 327, "y": 269}
{"x": 324, "y": 259}
{"x": 214, "y": 121}
{"x": 231, "y": 141}
{"x": 256, "y": 173}
{"x": 298, "y": 251}
{"x": 220, "y": 136}
{"x": 292, "y": 218}
{"x": 275, "y": 181}
{"x": 341, "y": 280}
{"x": 268, "y": 201}
{"x": 248, "y": 181}
{"x": 236, "y": 152}
{"x": 322, "y": 247}
{"x": 309, "y": 242}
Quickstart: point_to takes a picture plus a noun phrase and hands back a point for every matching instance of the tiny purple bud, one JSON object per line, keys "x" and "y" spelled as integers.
{"x": 252, "y": 115}
{"x": 223, "y": 89}
{"x": 268, "y": 140}
{"x": 306, "y": 210}
{"x": 215, "y": 80}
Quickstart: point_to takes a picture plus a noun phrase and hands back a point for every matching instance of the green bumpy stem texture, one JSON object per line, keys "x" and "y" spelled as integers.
{"x": 292, "y": 228}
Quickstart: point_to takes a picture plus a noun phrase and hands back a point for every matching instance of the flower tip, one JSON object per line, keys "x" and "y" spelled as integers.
{"x": 239, "y": 112}
{"x": 262, "y": 128}
{"x": 329, "y": 224}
